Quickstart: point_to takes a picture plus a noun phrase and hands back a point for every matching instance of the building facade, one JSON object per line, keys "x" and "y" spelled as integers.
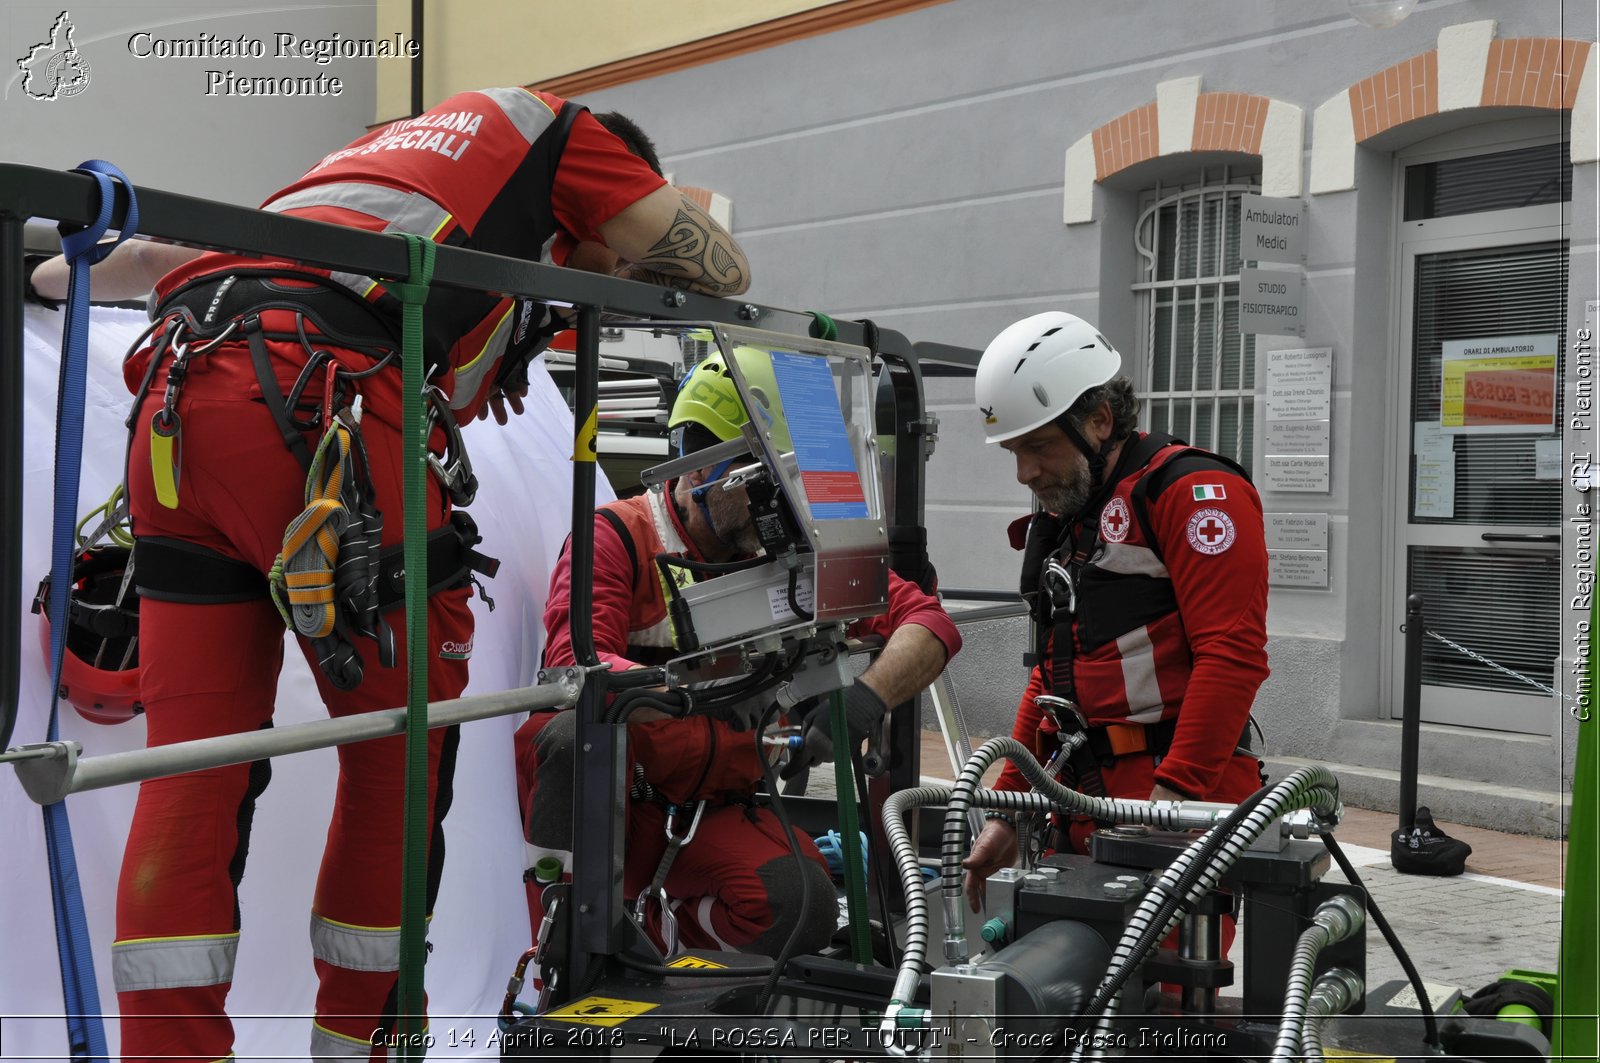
{"x": 1359, "y": 260}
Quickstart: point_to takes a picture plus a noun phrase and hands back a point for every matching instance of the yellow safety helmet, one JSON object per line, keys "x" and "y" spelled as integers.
{"x": 708, "y": 397}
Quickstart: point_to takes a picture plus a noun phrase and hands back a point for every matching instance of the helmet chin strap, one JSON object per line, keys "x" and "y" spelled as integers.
{"x": 1097, "y": 459}
{"x": 699, "y": 496}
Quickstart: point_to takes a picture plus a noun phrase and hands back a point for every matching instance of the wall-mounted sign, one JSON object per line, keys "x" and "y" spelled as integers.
{"x": 1296, "y": 472}
{"x": 1298, "y": 568}
{"x": 1297, "y": 531}
{"x": 1272, "y": 300}
{"x": 1272, "y": 230}
{"x": 1499, "y": 384}
{"x": 1297, "y": 437}
{"x": 1299, "y": 384}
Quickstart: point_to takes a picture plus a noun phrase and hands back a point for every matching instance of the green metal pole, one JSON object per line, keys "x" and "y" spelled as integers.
{"x": 1577, "y": 1025}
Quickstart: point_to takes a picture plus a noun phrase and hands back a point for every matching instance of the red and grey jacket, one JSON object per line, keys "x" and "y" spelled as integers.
{"x": 1168, "y": 631}
{"x": 696, "y": 757}
{"x": 480, "y": 171}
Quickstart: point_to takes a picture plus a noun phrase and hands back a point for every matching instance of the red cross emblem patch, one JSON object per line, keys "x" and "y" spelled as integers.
{"x": 1114, "y": 520}
{"x": 1210, "y": 530}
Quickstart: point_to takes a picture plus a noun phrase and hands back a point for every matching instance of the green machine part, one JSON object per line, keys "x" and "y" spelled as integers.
{"x": 1577, "y": 1027}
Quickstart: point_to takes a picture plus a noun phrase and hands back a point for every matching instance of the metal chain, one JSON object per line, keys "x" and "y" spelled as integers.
{"x": 1481, "y": 659}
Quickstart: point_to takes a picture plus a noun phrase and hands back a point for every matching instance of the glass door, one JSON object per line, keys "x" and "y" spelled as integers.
{"x": 1482, "y": 328}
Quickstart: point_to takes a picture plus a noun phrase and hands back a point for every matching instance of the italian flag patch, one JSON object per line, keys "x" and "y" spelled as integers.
{"x": 1209, "y": 492}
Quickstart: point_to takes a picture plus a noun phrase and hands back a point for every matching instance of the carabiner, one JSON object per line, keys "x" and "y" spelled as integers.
{"x": 454, "y": 470}
{"x": 694, "y": 824}
{"x": 1058, "y": 578}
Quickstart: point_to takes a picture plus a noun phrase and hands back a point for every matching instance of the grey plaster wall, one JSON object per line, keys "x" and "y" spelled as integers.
{"x": 152, "y": 116}
{"x": 910, "y": 170}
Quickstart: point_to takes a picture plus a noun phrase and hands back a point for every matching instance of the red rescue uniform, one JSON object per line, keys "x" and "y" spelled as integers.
{"x": 502, "y": 170}
{"x": 733, "y": 887}
{"x": 1170, "y": 629}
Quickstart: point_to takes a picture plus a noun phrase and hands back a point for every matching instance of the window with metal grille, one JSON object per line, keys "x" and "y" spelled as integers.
{"x": 1200, "y": 372}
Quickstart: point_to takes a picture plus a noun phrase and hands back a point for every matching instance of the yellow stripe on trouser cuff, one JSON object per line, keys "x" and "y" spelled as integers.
{"x": 173, "y": 963}
{"x": 356, "y": 948}
{"x": 327, "y": 1045}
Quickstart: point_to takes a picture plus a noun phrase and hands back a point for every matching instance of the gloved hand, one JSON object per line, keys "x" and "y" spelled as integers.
{"x": 863, "y": 711}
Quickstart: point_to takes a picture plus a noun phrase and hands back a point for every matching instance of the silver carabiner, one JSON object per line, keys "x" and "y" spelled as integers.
{"x": 694, "y": 825}
{"x": 1055, "y": 706}
{"x": 1056, "y": 577}
{"x": 455, "y": 469}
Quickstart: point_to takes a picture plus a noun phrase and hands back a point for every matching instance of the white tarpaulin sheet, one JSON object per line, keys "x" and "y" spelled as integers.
{"x": 481, "y": 922}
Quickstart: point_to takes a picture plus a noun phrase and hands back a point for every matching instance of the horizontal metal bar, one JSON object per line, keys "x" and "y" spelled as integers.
{"x": 51, "y": 771}
{"x": 963, "y": 617}
{"x": 957, "y": 594}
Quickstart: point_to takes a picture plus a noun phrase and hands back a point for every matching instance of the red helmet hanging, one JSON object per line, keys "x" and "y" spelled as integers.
{"x": 100, "y": 669}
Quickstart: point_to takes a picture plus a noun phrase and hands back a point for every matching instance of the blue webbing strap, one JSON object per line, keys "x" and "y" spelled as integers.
{"x": 80, "y": 993}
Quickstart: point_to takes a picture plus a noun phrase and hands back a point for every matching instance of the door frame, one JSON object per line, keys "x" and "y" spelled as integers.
{"x": 1539, "y": 224}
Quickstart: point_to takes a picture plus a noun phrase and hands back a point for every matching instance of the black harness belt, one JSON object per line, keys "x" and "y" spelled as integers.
{"x": 171, "y": 570}
{"x": 340, "y": 316}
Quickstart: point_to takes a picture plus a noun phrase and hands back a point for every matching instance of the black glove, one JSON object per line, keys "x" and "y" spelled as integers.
{"x": 863, "y": 711}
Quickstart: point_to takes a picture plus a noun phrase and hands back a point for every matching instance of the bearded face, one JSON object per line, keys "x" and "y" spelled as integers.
{"x": 730, "y": 519}
{"x": 1064, "y": 493}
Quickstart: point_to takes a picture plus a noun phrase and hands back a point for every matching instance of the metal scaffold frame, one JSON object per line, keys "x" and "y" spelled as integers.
{"x": 599, "y": 924}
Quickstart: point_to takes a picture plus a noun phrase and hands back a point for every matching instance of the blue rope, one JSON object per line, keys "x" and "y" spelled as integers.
{"x": 80, "y": 992}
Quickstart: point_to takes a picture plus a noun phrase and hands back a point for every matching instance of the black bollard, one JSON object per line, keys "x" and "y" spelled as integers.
{"x": 1411, "y": 712}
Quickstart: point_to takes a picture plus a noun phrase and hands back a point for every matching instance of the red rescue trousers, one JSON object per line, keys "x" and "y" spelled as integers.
{"x": 734, "y": 887}
{"x": 209, "y": 670}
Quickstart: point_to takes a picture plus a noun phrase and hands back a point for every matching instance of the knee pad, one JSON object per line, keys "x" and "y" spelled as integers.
{"x": 816, "y": 909}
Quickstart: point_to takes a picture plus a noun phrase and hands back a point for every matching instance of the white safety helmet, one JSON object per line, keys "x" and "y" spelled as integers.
{"x": 1036, "y": 369}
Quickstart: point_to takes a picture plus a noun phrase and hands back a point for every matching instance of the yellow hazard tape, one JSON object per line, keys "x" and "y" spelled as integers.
{"x": 587, "y": 447}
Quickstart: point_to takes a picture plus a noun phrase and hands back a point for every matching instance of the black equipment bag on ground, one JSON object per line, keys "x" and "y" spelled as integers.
{"x": 1427, "y": 850}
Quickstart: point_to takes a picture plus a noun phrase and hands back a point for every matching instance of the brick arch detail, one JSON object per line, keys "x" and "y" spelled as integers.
{"x": 1470, "y": 68}
{"x": 1223, "y": 121}
{"x": 1183, "y": 119}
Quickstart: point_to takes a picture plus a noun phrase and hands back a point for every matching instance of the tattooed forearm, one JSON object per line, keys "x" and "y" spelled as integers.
{"x": 695, "y": 253}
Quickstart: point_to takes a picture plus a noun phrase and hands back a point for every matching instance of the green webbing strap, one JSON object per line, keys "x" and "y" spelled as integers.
{"x": 855, "y": 873}
{"x": 413, "y": 293}
{"x": 823, "y": 326}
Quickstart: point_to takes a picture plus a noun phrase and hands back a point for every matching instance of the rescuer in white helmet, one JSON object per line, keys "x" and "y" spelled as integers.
{"x": 1147, "y": 572}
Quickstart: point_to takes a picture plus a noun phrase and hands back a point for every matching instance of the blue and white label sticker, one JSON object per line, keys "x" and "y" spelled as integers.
{"x": 821, "y": 446}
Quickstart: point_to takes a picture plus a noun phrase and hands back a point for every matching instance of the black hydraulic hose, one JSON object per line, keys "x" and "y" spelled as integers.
{"x": 629, "y": 678}
{"x": 794, "y": 601}
{"x": 1429, "y": 1022}
{"x": 782, "y": 959}
{"x": 875, "y": 855}
{"x": 678, "y": 702}
{"x": 1204, "y": 851}
{"x": 630, "y": 701}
